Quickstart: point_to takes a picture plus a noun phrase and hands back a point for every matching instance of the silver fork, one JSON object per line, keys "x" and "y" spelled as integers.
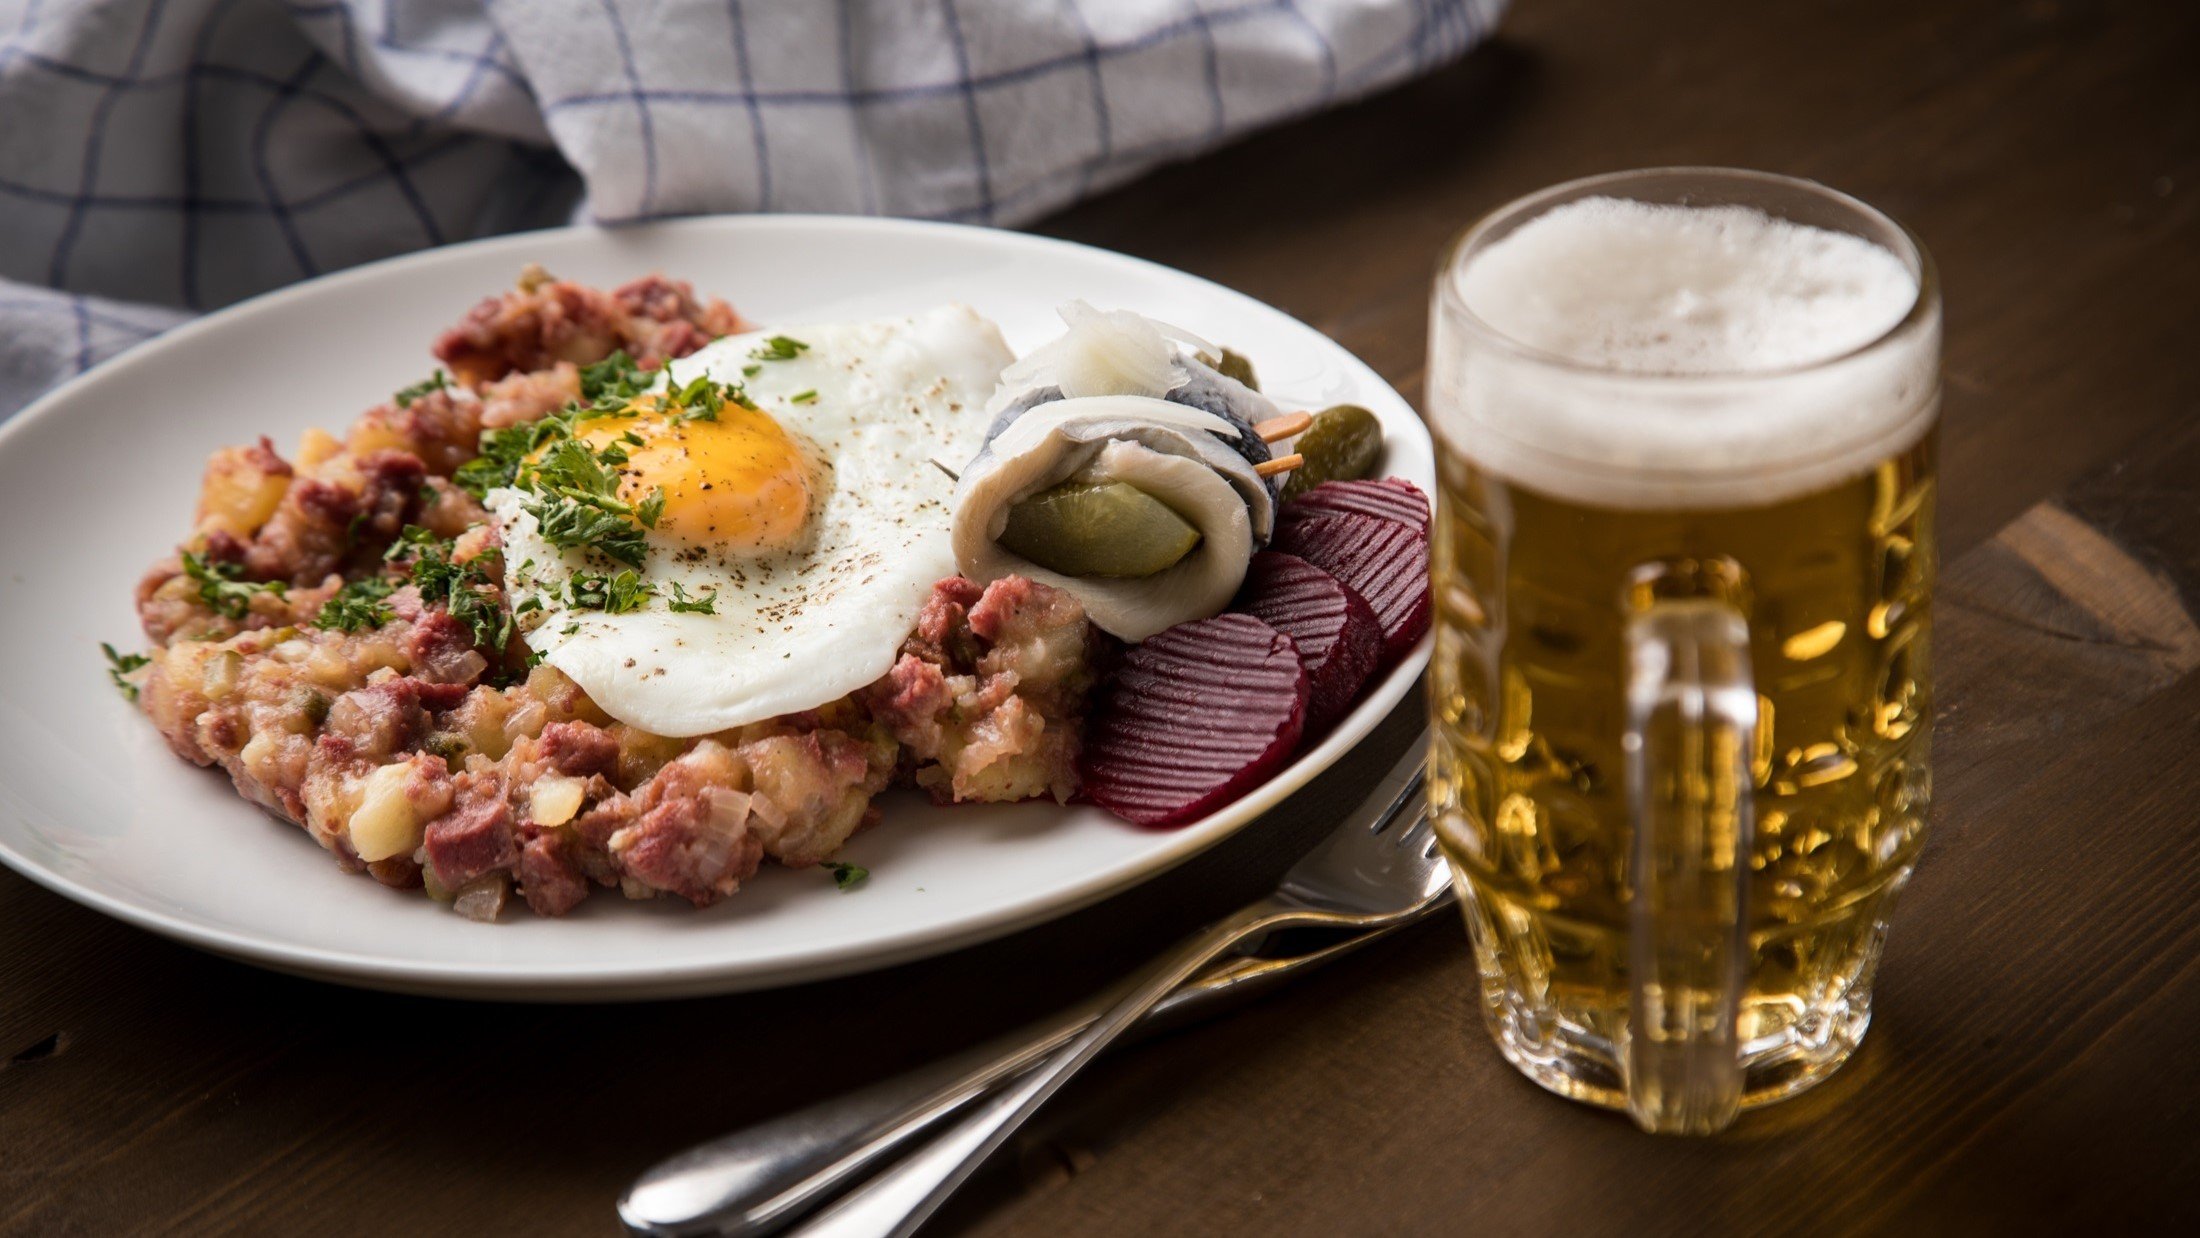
{"x": 1359, "y": 878}
{"x": 762, "y": 1178}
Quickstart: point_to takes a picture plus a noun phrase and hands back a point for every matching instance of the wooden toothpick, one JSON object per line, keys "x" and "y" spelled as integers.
{"x": 1283, "y": 427}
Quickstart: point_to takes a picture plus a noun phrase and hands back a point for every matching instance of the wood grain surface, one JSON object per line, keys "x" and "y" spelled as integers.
{"x": 2030, "y": 1069}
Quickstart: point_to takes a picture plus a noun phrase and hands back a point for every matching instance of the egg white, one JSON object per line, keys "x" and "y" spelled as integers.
{"x": 797, "y": 628}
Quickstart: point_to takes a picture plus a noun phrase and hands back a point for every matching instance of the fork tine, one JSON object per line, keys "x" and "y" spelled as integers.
{"x": 1373, "y": 863}
{"x": 1409, "y": 793}
{"x": 1407, "y": 813}
{"x": 1418, "y": 835}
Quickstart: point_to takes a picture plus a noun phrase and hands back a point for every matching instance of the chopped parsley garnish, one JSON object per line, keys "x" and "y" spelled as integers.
{"x": 577, "y": 503}
{"x": 503, "y": 451}
{"x": 120, "y": 665}
{"x": 490, "y": 622}
{"x": 467, "y": 590}
{"x": 570, "y": 465}
{"x": 570, "y": 524}
{"x": 803, "y": 397}
{"x": 357, "y": 606}
{"x": 220, "y": 589}
{"x": 779, "y": 348}
{"x": 430, "y": 554}
{"x": 616, "y": 377}
{"x": 612, "y": 594}
{"x": 681, "y": 603}
{"x": 700, "y": 399}
{"x": 847, "y": 876}
{"x": 751, "y": 371}
{"x": 433, "y": 382}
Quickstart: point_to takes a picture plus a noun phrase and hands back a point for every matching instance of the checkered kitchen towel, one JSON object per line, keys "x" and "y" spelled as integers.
{"x": 164, "y": 157}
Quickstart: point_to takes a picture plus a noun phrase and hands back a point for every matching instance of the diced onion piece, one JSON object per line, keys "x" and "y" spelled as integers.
{"x": 727, "y": 822}
{"x": 219, "y": 675}
{"x": 528, "y": 720}
{"x": 554, "y": 801}
{"x": 729, "y": 809}
{"x": 385, "y": 823}
{"x": 483, "y": 898}
{"x": 765, "y": 809}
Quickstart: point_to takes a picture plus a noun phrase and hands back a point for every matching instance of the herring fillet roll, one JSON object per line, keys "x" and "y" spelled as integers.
{"x": 1119, "y": 427}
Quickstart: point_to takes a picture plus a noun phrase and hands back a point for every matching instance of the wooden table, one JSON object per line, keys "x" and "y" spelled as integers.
{"x": 2031, "y": 1064}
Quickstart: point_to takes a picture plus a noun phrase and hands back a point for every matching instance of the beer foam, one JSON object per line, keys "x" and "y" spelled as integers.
{"x": 1651, "y": 289}
{"x": 1714, "y": 355}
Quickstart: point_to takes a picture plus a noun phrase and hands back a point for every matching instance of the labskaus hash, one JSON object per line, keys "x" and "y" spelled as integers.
{"x": 632, "y": 593}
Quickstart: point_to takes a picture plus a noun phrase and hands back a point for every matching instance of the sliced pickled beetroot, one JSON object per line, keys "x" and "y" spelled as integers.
{"x": 1391, "y": 498}
{"x": 1336, "y": 632}
{"x": 1193, "y": 718}
{"x": 1382, "y": 560}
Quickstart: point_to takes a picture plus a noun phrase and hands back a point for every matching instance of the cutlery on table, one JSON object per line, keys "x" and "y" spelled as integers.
{"x": 1375, "y": 875}
{"x": 1360, "y": 877}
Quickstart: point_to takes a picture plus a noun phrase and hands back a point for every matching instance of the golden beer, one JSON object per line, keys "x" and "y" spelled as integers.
{"x": 1679, "y": 692}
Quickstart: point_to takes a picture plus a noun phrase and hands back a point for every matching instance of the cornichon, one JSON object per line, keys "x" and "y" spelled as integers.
{"x": 1098, "y": 529}
{"x": 1236, "y": 366}
{"x": 1344, "y": 443}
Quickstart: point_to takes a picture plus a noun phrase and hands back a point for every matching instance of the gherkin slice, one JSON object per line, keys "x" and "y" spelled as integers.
{"x": 1343, "y": 444}
{"x": 1109, "y": 529}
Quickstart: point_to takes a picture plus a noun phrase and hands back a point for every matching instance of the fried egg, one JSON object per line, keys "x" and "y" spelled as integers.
{"x": 815, "y": 523}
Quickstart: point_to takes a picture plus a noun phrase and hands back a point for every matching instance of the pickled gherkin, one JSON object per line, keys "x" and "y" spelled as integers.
{"x": 1343, "y": 444}
{"x": 1235, "y": 365}
{"x": 1098, "y": 529}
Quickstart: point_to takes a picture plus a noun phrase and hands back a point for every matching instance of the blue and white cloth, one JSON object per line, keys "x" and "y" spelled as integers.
{"x": 159, "y": 158}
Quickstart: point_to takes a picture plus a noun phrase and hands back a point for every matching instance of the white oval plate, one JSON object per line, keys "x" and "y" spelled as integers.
{"x": 98, "y": 479}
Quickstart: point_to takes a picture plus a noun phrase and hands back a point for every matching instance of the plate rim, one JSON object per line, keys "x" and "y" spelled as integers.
{"x": 644, "y": 979}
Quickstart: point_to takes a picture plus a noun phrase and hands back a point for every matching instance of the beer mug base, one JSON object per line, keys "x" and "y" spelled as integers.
{"x": 1571, "y": 1040}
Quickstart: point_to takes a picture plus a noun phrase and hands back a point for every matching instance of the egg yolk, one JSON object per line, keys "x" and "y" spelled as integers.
{"x": 738, "y": 482}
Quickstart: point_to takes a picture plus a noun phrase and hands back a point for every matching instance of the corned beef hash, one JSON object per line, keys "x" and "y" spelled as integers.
{"x": 630, "y": 593}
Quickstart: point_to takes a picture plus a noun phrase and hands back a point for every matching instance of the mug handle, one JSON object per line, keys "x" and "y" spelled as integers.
{"x": 1691, "y": 721}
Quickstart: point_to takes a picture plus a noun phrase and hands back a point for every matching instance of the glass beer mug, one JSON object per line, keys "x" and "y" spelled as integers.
{"x": 1683, "y": 560}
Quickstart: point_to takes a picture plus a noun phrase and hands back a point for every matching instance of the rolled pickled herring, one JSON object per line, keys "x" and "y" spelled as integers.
{"x": 1104, "y": 352}
{"x": 1180, "y": 456}
{"x": 1118, "y": 352}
